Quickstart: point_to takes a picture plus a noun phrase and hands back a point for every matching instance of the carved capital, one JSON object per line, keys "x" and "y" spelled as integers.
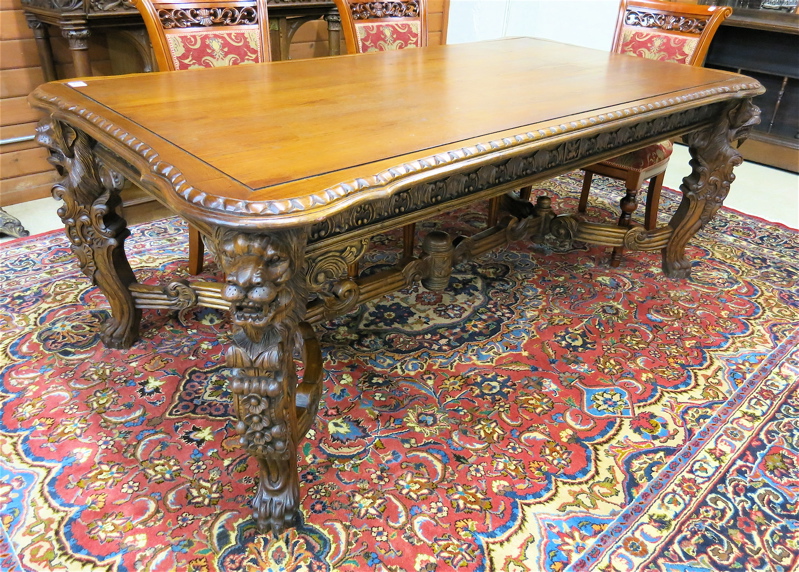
{"x": 78, "y": 38}
{"x": 39, "y": 28}
{"x": 331, "y": 264}
{"x": 713, "y": 158}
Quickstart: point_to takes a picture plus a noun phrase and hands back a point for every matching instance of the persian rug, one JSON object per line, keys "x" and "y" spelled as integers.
{"x": 545, "y": 411}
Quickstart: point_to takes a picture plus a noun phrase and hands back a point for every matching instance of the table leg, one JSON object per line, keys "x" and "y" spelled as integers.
{"x": 42, "y": 37}
{"x": 704, "y": 190}
{"x": 97, "y": 233}
{"x": 267, "y": 292}
{"x": 78, "y": 38}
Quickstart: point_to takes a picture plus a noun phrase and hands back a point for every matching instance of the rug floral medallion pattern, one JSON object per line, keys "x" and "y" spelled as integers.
{"x": 511, "y": 422}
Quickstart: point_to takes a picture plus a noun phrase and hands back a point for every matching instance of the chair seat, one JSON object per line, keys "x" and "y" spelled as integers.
{"x": 642, "y": 159}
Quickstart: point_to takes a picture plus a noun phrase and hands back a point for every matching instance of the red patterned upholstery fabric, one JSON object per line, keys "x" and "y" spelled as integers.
{"x": 657, "y": 45}
{"x": 214, "y": 48}
{"x": 383, "y": 36}
{"x": 641, "y": 159}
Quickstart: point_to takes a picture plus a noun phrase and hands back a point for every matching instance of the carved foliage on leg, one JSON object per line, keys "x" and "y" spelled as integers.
{"x": 267, "y": 292}
{"x": 704, "y": 190}
{"x": 96, "y": 232}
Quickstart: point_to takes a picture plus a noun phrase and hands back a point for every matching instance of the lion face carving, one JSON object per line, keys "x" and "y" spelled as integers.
{"x": 259, "y": 270}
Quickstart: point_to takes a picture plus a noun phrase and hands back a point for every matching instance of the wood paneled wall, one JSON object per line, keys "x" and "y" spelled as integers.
{"x": 23, "y": 168}
{"x": 24, "y": 172}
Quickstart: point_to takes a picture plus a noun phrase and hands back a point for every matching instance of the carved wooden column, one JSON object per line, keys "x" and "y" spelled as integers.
{"x": 438, "y": 247}
{"x": 42, "y": 37}
{"x": 77, "y": 34}
{"x": 704, "y": 190}
{"x": 333, "y": 34}
{"x": 95, "y": 230}
{"x": 267, "y": 292}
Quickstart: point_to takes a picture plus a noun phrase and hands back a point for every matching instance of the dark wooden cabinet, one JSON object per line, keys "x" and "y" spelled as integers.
{"x": 77, "y": 20}
{"x": 762, "y": 43}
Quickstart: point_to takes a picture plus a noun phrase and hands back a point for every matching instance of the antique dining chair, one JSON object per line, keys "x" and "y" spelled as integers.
{"x": 205, "y": 34}
{"x": 382, "y": 26}
{"x": 379, "y": 27}
{"x": 665, "y": 31}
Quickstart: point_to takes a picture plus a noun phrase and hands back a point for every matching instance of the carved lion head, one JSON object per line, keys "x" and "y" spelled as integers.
{"x": 260, "y": 286}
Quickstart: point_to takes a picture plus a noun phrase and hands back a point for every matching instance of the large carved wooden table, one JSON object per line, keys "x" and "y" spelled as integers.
{"x": 308, "y": 159}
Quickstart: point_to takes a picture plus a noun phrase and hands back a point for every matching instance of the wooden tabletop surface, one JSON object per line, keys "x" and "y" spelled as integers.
{"x": 273, "y": 132}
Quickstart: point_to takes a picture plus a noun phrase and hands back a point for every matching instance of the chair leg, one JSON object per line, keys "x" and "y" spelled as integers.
{"x": 583, "y": 205}
{"x": 196, "y": 251}
{"x": 408, "y": 240}
{"x": 493, "y": 211}
{"x": 628, "y": 205}
{"x": 526, "y": 192}
{"x": 652, "y": 201}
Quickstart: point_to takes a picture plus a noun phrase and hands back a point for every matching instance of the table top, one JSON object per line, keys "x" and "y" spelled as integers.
{"x": 306, "y": 138}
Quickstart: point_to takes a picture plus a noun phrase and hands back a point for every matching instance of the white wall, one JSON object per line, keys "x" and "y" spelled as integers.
{"x": 587, "y": 23}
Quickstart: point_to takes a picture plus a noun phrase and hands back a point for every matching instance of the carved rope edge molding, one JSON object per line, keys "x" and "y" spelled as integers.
{"x": 322, "y": 198}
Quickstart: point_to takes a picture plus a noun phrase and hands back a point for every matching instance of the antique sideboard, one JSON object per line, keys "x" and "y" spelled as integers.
{"x": 79, "y": 19}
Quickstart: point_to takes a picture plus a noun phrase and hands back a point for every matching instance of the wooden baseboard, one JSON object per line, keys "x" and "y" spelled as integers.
{"x": 767, "y": 153}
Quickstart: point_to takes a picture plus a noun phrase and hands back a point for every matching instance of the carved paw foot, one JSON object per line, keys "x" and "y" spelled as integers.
{"x": 275, "y": 512}
{"x": 679, "y": 269}
{"x": 118, "y": 336}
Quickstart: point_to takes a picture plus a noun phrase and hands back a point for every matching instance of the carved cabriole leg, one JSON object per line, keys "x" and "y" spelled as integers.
{"x": 267, "y": 293}
{"x": 94, "y": 228}
{"x": 704, "y": 190}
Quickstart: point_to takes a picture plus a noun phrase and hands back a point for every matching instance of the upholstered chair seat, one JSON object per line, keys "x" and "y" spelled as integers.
{"x": 643, "y": 159}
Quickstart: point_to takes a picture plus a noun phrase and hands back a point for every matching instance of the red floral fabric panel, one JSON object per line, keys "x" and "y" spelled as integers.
{"x": 384, "y": 36}
{"x": 214, "y": 48}
{"x": 641, "y": 159}
{"x": 657, "y": 45}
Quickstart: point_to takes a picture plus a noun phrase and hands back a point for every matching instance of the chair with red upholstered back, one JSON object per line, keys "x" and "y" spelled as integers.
{"x": 664, "y": 31}
{"x": 382, "y": 26}
{"x": 204, "y": 34}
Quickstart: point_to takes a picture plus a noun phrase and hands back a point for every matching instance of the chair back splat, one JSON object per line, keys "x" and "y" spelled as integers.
{"x": 202, "y": 34}
{"x": 667, "y": 31}
{"x": 383, "y": 26}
